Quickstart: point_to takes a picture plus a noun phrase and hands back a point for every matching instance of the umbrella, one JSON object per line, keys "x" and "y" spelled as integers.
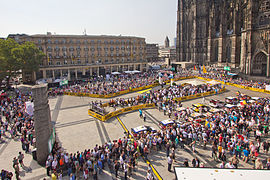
{"x": 136, "y": 71}
{"x": 128, "y": 72}
{"x": 116, "y": 73}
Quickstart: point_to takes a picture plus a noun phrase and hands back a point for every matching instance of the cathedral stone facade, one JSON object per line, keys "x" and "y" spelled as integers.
{"x": 231, "y": 33}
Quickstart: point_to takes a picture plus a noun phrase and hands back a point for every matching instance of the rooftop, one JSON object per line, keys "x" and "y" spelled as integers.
{"x": 74, "y": 36}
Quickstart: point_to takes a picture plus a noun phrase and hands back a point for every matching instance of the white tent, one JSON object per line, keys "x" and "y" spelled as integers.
{"x": 116, "y": 73}
{"x": 196, "y": 83}
{"x": 128, "y": 72}
{"x": 136, "y": 71}
{"x": 213, "y": 82}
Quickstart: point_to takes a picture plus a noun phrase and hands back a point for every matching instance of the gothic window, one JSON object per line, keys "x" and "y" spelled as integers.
{"x": 217, "y": 21}
{"x": 228, "y": 52}
{"x": 264, "y": 11}
{"x": 216, "y": 52}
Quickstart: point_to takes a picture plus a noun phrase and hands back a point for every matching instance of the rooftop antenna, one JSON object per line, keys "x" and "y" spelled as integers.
{"x": 84, "y": 32}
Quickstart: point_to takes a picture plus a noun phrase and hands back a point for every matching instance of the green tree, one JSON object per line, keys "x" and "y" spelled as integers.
{"x": 29, "y": 57}
{"x": 9, "y": 64}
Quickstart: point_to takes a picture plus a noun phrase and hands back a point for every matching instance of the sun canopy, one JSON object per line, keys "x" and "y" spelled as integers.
{"x": 136, "y": 71}
{"x": 196, "y": 83}
{"x": 116, "y": 73}
{"x": 229, "y": 105}
{"x": 213, "y": 82}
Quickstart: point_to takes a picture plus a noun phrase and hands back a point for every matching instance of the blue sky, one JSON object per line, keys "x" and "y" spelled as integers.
{"x": 152, "y": 19}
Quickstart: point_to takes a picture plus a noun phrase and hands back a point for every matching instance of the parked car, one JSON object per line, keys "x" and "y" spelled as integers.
{"x": 143, "y": 128}
{"x": 198, "y": 106}
{"x": 165, "y": 123}
{"x": 216, "y": 103}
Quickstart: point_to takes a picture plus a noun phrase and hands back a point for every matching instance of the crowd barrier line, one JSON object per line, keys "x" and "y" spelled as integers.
{"x": 146, "y": 160}
{"x": 237, "y": 85}
{"x": 125, "y": 91}
{"x": 144, "y": 106}
{"x": 184, "y": 98}
{"x": 157, "y": 84}
{"x": 120, "y": 111}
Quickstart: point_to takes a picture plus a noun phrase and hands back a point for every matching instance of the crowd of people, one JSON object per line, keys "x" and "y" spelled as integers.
{"x": 167, "y": 94}
{"x": 222, "y": 75}
{"x": 114, "y": 84}
{"x": 117, "y": 83}
{"x": 234, "y": 133}
{"x": 17, "y": 124}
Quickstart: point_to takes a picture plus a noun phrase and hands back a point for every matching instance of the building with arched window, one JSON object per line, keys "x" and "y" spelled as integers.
{"x": 231, "y": 33}
{"x": 81, "y": 56}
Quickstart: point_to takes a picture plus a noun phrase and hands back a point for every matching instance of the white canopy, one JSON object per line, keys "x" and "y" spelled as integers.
{"x": 213, "y": 82}
{"x": 196, "y": 83}
{"x": 255, "y": 98}
{"x": 128, "y": 72}
{"x": 229, "y": 105}
{"x": 115, "y": 73}
{"x": 135, "y": 71}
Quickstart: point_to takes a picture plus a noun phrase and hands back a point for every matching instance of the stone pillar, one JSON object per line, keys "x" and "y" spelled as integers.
{"x": 69, "y": 74}
{"x": 76, "y": 74}
{"x": 34, "y": 76}
{"x": 43, "y": 126}
{"x": 53, "y": 74}
{"x": 61, "y": 73}
{"x": 44, "y": 74}
{"x": 83, "y": 72}
{"x": 91, "y": 71}
{"x": 97, "y": 71}
{"x": 209, "y": 43}
{"x": 141, "y": 68}
{"x": 268, "y": 68}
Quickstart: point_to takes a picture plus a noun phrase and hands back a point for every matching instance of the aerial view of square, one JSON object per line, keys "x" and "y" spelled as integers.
{"x": 96, "y": 90}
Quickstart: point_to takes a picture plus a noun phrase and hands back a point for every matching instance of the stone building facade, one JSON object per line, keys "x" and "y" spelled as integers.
{"x": 81, "y": 56}
{"x": 231, "y": 33}
{"x": 152, "y": 52}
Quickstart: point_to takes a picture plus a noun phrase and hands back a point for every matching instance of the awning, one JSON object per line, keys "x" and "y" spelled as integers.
{"x": 196, "y": 83}
{"x": 231, "y": 74}
{"x": 136, "y": 71}
{"x": 115, "y": 73}
{"x": 213, "y": 82}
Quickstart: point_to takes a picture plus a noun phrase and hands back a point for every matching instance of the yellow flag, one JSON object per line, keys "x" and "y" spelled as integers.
{"x": 204, "y": 70}
{"x": 48, "y": 58}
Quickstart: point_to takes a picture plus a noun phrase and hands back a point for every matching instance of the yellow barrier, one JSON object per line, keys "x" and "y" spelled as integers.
{"x": 113, "y": 94}
{"x": 153, "y": 169}
{"x": 248, "y": 88}
{"x": 125, "y": 91}
{"x": 143, "y": 106}
{"x": 184, "y": 98}
{"x": 120, "y": 111}
{"x": 237, "y": 85}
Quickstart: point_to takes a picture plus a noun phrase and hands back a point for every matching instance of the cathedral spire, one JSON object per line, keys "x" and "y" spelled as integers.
{"x": 167, "y": 42}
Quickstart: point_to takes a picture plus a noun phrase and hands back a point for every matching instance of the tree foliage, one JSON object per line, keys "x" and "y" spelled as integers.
{"x": 16, "y": 58}
{"x": 29, "y": 56}
{"x": 9, "y": 65}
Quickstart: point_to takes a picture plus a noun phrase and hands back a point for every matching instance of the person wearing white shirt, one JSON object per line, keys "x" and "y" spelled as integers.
{"x": 229, "y": 165}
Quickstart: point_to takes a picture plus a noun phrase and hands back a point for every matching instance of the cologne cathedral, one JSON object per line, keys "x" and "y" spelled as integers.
{"x": 233, "y": 33}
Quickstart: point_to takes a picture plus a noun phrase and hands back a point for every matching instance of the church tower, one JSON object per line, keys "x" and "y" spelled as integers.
{"x": 167, "y": 42}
